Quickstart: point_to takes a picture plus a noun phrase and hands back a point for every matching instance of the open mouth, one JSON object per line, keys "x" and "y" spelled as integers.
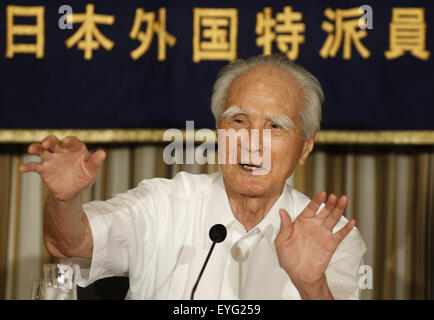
{"x": 248, "y": 166}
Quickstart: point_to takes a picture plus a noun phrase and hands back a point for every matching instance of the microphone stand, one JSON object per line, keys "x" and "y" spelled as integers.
{"x": 217, "y": 234}
{"x": 201, "y": 271}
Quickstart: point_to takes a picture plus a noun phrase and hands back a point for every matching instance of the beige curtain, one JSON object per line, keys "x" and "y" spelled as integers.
{"x": 391, "y": 191}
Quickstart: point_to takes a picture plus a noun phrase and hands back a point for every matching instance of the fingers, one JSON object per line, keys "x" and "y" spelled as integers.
{"x": 330, "y": 205}
{"x": 341, "y": 234}
{"x": 51, "y": 143}
{"x": 334, "y": 216}
{"x": 31, "y": 167}
{"x": 285, "y": 227}
{"x": 36, "y": 149}
{"x": 72, "y": 143}
{"x": 313, "y": 206}
{"x": 45, "y": 148}
{"x": 96, "y": 159}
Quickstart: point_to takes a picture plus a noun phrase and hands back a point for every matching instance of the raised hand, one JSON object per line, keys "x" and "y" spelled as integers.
{"x": 305, "y": 246}
{"x": 66, "y": 167}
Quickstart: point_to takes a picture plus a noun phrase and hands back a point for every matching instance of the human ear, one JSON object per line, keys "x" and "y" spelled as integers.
{"x": 307, "y": 149}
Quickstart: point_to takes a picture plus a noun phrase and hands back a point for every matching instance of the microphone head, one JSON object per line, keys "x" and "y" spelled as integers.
{"x": 217, "y": 233}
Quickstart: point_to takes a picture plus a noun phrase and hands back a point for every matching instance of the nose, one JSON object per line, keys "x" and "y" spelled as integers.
{"x": 255, "y": 145}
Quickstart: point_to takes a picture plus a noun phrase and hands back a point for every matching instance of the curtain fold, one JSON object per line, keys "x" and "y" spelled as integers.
{"x": 5, "y": 178}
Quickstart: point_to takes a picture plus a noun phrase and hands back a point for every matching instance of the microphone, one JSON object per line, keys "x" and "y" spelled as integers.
{"x": 217, "y": 234}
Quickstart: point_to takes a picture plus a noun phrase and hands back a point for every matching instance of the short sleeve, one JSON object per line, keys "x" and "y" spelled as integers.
{"x": 343, "y": 270}
{"x": 123, "y": 231}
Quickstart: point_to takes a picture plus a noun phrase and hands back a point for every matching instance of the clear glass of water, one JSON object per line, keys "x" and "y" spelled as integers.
{"x": 60, "y": 282}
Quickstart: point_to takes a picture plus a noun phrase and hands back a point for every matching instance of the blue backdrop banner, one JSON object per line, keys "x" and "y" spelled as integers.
{"x": 151, "y": 64}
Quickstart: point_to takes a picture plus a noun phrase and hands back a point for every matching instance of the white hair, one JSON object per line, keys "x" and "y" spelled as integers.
{"x": 312, "y": 98}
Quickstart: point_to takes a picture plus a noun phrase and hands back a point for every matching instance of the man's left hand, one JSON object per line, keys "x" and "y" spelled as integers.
{"x": 305, "y": 246}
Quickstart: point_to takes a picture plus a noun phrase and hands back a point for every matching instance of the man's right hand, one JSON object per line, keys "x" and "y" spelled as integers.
{"x": 66, "y": 167}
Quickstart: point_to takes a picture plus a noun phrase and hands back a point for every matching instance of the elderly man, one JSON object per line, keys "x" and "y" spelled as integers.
{"x": 279, "y": 245}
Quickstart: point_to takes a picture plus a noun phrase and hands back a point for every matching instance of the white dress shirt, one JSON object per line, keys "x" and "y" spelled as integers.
{"x": 157, "y": 234}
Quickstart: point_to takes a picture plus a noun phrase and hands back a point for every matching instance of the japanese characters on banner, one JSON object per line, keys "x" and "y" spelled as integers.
{"x": 151, "y": 64}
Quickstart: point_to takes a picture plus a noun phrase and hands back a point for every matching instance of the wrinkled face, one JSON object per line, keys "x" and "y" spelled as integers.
{"x": 265, "y": 97}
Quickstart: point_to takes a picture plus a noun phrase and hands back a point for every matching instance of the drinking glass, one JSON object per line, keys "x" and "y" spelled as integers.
{"x": 60, "y": 281}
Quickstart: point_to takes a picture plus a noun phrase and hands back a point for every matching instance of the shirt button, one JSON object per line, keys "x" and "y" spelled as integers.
{"x": 236, "y": 252}
{"x": 239, "y": 227}
{"x": 239, "y": 252}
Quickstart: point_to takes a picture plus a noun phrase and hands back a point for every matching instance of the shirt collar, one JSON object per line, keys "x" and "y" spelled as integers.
{"x": 218, "y": 208}
{"x": 219, "y": 211}
{"x": 270, "y": 224}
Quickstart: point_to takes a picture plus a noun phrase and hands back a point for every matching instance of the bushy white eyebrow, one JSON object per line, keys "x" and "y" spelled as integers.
{"x": 232, "y": 111}
{"x": 282, "y": 120}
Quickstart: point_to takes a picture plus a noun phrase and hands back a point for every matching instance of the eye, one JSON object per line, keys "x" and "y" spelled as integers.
{"x": 239, "y": 121}
{"x": 275, "y": 126}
